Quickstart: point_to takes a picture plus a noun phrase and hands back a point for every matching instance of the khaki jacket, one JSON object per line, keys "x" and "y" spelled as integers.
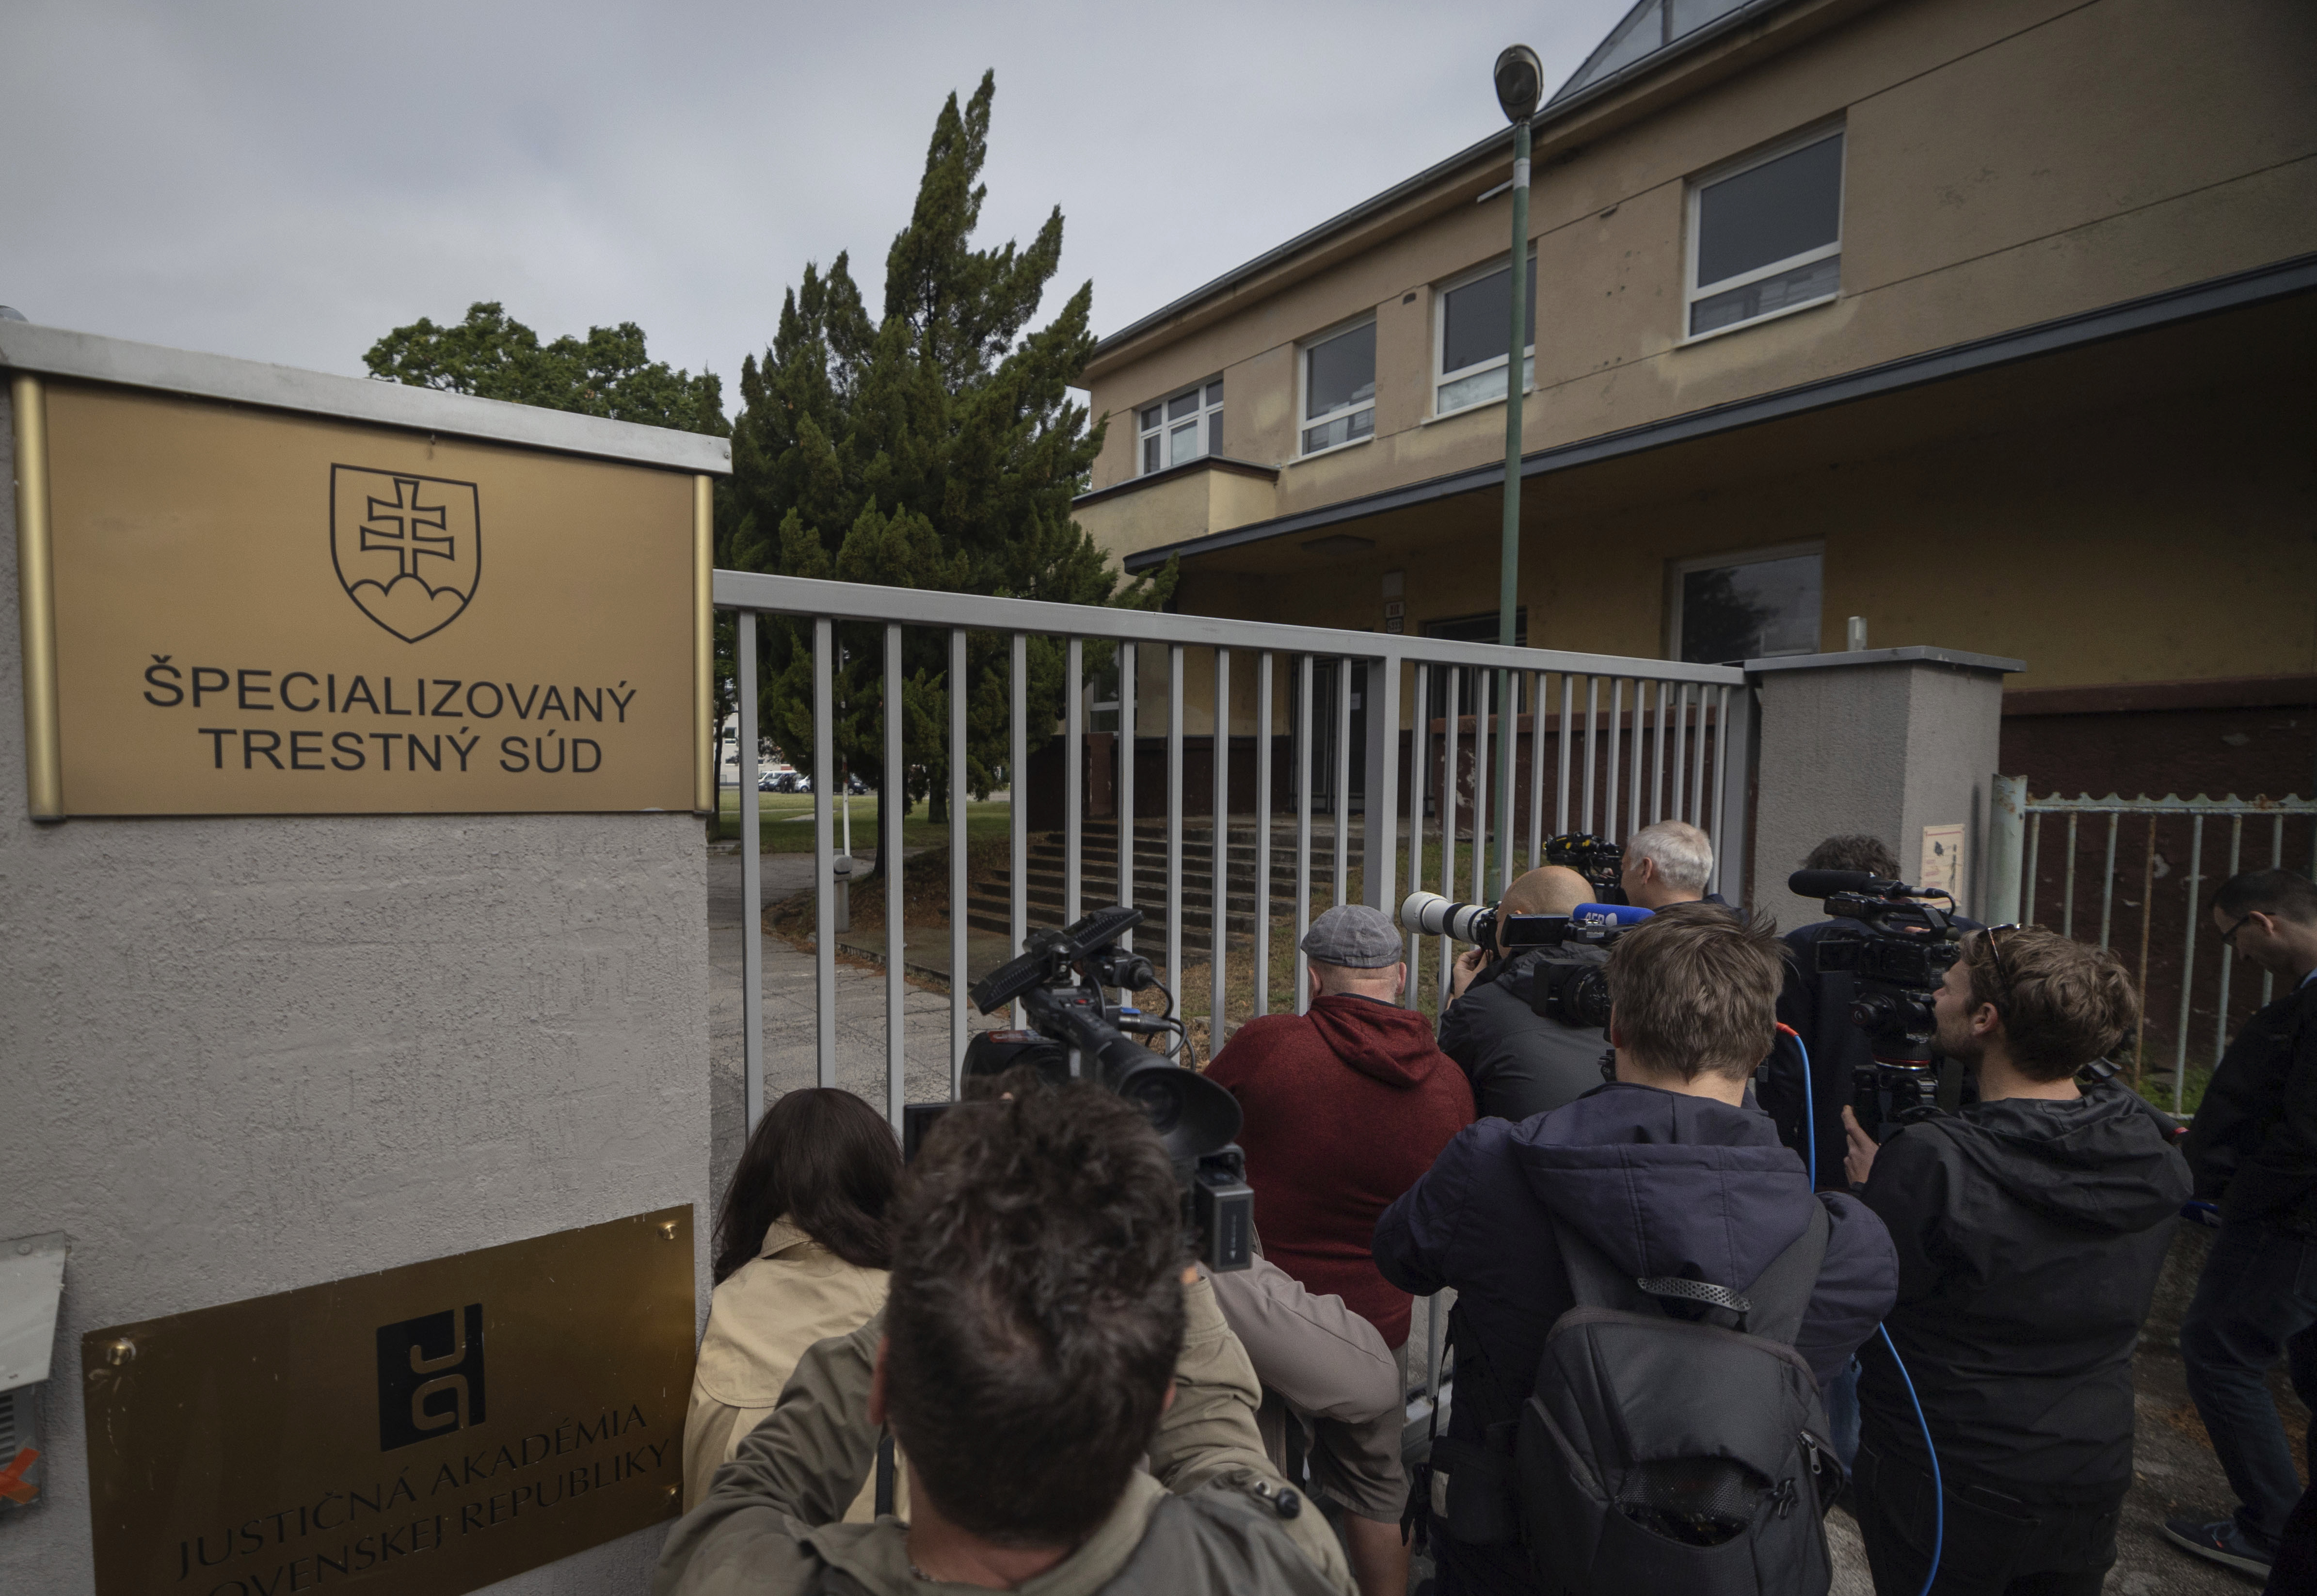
{"x": 1205, "y": 1521}
{"x": 761, "y": 1319}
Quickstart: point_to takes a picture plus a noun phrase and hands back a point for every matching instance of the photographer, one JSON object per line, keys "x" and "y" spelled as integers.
{"x": 1042, "y": 1335}
{"x": 1520, "y": 1060}
{"x": 2030, "y": 1228}
{"x": 1661, "y": 1170}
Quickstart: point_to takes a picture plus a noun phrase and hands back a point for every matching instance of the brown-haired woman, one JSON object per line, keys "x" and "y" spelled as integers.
{"x": 801, "y": 1251}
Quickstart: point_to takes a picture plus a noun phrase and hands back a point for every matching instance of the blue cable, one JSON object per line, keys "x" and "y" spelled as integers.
{"x": 1938, "y": 1491}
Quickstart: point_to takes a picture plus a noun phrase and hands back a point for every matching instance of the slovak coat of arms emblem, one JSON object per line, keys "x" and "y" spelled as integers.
{"x": 408, "y": 549}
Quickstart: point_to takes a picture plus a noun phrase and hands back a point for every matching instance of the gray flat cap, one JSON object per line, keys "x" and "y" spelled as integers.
{"x": 1355, "y": 937}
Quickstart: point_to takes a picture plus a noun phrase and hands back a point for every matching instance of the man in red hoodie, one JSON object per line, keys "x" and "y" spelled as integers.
{"x": 1345, "y": 1107}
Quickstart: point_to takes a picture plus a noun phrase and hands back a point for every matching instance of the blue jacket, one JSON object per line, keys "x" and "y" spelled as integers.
{"x": 1662, "y": 1182}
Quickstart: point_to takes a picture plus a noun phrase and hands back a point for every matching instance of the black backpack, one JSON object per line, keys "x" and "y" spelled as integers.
{"x": 1678, "y": 1451}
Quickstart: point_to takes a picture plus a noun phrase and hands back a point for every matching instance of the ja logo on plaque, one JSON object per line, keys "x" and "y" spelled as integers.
{"x": 408, "y": 549}
{"x": 430, "y": 1375}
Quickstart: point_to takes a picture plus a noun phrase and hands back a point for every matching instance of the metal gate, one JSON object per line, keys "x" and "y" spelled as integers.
{"x": 2060, "y": 861}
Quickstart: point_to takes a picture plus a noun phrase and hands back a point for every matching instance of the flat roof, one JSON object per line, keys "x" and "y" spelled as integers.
{"x": 56, "y": 352}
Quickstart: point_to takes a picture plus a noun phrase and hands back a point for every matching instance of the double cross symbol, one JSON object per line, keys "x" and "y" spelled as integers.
{"x": 408, "y": 520}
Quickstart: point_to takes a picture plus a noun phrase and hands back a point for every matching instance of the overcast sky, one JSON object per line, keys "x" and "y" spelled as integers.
{"x": 287, "y": 181}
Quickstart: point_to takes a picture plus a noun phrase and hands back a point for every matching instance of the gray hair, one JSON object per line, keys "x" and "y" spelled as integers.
{"x": 1682, "y": 853}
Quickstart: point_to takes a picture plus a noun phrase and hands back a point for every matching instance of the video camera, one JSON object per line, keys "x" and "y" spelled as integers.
{"x": 1601, "y": 864}
{"x": 1896, "y": 950}
{"x": 1060, "y": 979}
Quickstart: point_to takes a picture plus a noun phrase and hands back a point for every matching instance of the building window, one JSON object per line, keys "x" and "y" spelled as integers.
{"x": 1767, "y": 238}
{"x": 1339, "y": 388}
{"x": 1474, "y": 323}
{"x": 1746, "y": 606}
{"x": 1183, "y": 428}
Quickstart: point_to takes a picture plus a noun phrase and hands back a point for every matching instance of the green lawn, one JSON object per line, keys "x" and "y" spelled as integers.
{"x": 787, "y": 821}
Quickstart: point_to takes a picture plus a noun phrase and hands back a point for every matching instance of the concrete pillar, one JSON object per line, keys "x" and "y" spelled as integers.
{"x": 1890, "y": 742}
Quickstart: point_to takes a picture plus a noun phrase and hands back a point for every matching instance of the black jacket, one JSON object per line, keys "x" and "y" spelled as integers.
{"x": 1519, "y": 1062}
{"x": 2030, "y": 1234}
{"x": 1665, "y": 1184}
{"x": 2253, "y": 1144}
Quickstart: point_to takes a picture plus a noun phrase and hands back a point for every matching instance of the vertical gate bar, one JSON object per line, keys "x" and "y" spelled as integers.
{"x": 1657, "y": 758}
{"x": 1698, "y": 815}
{"x": 1451, "y": 790}
{"x": 960, "y": 974}
{"x": 2228, "y": 962}
{"x": 2275, "y": 862}
{"x": 2068, "y": 888}
{"x": 1633, "y": 789}
{"x": 1124, "y": 786}
{"x": 892, "y": 809}
{"x": 1263, "y": 691}
{"x": 1616, "y": 733}
{"x": 1017, "y": 780}
{"x": 1073, "y": 776}
{"x": 2147, "y": 917}
{"x": 2187, "y": 960}
{"x": 1303, "y": 739}
{"x": 1380, "y": 840}
{"x": 2107, "y": 880}
{"x": 1343, "y": 778}
{"x": 1483, "y": 684}
{"x": 1420, "y": 779}
{"x": 752, "y": 880}
{"x": 1721, "y": 782}
{"x": 1678, "y": 760}
{"x": 1563, "y": 736}
{"x": 1175, "y": 822}
{"x": 824, "y": 854}
{"x": 1592, "y": 732}
{"x": 1219, "y": 852}
{"x": 2034, "y": 856}
{"x": 1535, "y": 770}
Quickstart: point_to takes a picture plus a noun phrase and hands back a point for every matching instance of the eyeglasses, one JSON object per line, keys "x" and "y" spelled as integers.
{"x": 1995, "y": 956}
{"x": 2229, "y": 937}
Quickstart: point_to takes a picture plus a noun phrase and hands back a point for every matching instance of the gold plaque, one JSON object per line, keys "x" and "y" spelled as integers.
{"x": 258, "y": 613}
{"x": 427, "y": 1428}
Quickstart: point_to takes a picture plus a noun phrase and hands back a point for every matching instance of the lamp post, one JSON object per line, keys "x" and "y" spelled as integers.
{"x": 1520, "y": 79}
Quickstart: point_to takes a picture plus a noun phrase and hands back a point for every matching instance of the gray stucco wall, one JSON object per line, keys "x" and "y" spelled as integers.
{"x": 238, "y": 1056}
{"x": 1886, "y": 748}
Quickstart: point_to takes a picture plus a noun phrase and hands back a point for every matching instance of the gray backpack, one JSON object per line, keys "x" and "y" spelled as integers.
{"x": 1682, "y": 1450}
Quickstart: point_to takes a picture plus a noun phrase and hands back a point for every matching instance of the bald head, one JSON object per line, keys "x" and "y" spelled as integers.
{"x": 1553, "y": 890}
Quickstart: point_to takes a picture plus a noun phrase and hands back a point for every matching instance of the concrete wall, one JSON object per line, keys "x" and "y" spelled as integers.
{"x": 1861, "y": 743}
{"x": 1998, "y": 174}
{"x": 240, "y": 1056}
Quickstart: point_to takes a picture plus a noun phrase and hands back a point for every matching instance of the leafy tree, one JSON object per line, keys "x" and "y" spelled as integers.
{"x": 492, "y": 355}
{"x": 936, "y": 447}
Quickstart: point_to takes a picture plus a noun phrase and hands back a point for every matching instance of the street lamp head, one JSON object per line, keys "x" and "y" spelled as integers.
{"x": 1520, "y": 80}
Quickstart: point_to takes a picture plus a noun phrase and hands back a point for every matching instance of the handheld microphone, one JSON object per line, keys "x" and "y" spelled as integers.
{"x": 1607, "y": 914}
{"x": 1826, "y": 884}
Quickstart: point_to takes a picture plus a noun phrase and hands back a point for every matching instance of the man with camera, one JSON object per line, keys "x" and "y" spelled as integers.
{"x": 1663, "y": 1173}
{"x": 1514, "y": 1025}
{"x": 2253, "y": 1146}
{"x": 2030, "y": 1228}
{"x": 1042, "y": 1333}
{"x": 1346, "y": 1105}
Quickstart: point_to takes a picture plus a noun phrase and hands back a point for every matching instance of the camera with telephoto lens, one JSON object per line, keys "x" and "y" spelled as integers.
{"x": 1895, "y": 948}
{"x": 1601, "y": 864}
{"x": 1574, "y": 994}
{"x": 1061, "y": 979}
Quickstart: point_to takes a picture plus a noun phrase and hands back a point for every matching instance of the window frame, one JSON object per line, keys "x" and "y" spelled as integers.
{"x": 1693, "y": 200}
{"x": 1440, "y": 379}
{"x": 1675, "y": 569}
{"x": 1303, "y": 423}
{"x": 1204, "y": 417}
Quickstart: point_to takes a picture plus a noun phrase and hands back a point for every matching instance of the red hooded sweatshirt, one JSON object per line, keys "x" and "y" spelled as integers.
{"x": 1345, "y": 1107}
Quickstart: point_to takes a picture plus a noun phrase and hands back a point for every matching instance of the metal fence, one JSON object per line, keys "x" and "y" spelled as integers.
{"x": 1633, "y": 741}
{"x": 2157, "y": 858}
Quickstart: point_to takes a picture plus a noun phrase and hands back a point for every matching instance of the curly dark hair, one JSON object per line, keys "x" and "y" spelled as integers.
{"x": 1853, "y": 851}
{"x": 2063, "y": 1004}
{"x": 825, "y": 1161}
{"x": 1035, "y": 1311}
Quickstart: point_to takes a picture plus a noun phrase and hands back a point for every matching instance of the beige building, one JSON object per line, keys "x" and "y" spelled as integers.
{"x": 1988, "y": 322}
